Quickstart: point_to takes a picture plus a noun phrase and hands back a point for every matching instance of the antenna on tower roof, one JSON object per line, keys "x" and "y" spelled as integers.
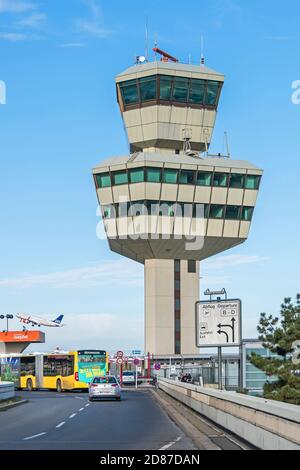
{"x": 147, "y": 39}
{"x": 202, "y": 51}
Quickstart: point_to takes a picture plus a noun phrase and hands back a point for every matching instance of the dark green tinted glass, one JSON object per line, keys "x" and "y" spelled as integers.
{"x": 120, "y": 177}
{"x": 137, "y": 175}
{"x": 103, "y": 180}
{"x": 197, "y": 91}
{"x": 236, "y": 181}
{"x": 153, "y": 175}
{"x": 216, "y": 212}
{"x": 204, "y": 179}
{"x": 170, "y": 176}
{"x": 130, "y": 92}
{"x": 181, "y": 89}
{"x": 232, "y": 213}
{"x": 165, "y": 87}
{"x": 187, "y": 177}
{"x": 137, "y": 208}
{"x": 252, "y": 182}
{"x": 109, "y": 212}
{"x": 247, "y": 213}
{"x": 212, "y": 93}
{"x": 220, "y": 180}
{"x": 148, "y": 88}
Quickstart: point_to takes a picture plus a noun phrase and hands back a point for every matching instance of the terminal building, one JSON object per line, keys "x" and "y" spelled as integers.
{"x": 169, "y": 204}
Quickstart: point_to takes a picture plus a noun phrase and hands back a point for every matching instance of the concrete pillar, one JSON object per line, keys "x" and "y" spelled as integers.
{"x": 162, "y": 310}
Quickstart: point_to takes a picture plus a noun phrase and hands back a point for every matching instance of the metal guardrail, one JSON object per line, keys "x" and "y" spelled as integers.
{"x": 7, "y": 391}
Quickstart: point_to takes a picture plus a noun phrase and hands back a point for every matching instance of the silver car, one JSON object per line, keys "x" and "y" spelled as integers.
{"x": 105, "y": 387}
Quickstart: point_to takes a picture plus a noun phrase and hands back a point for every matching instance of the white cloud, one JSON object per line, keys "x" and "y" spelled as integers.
{"x": 121, "y": 272}
{"x": 33, "y": 21}
{"x": 13, "y": 37}
{"x": 74, "y": 44}
{"x": 227, "y": 261}
{"x": 93, "y": 26}
{"x": 16, "y": 6}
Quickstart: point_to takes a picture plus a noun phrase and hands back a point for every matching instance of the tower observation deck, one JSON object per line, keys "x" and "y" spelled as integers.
{"x": 165, "y": 204}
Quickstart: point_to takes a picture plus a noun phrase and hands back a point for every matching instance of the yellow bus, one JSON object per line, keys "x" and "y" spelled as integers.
{"x": 72, "y": 370}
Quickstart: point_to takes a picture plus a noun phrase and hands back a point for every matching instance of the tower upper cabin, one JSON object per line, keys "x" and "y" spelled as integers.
{"x": 166, "y": 104}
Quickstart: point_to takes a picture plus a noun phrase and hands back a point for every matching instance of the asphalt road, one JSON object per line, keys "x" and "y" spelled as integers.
{"x": 67, "y": 421}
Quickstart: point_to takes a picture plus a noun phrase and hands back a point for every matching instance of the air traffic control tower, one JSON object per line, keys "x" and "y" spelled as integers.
{"x": 168, "y": 204}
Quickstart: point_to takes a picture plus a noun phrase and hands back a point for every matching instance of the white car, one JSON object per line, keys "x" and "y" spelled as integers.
{"x": 128, "y": 378}
{"x": 105, "y": 387}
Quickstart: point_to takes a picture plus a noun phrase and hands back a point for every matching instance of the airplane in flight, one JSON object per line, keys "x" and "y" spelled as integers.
{"x": 38, "y": 321}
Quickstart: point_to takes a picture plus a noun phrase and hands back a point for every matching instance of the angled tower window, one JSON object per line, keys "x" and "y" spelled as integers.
{"x": 137, "y": 175}
{"x": 187, "y": 177}
{"x": 220, "y": 180}
{"x": 236, "y": 181}
{"x": 103, "y": 180}
{"x": 252, "y": 182}
{"x": 233, "y": 213}
{"x": 130, "y": 92}
{"x": 153, "y": 175}
{"x": 212, "y": 93}
{"x": 181, "y": 89}
{"x": 170, "y": 176}
{"x": 148, "y": 88}
{"x": 216, "y": 212}
{"x": 247, "y": 213}
{"x": 165, "y": 87}
{"x": 197, "y": 91}
{"x": 120, "y": 177}
{"x": 204, "y": 178}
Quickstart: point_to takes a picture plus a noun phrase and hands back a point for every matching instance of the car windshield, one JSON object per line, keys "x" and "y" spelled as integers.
{"x": 128, "y": 374}
{"x": 104, "y": 380}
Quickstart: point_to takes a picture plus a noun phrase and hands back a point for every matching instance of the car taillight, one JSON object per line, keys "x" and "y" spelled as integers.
{"x": 76, "y": 377}
{"x": 93, "y": 385}
{"x": 114, "y": 385}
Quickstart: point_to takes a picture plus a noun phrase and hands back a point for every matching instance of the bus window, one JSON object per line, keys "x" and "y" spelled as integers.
{"x": 27, "y": 366}
{"x": 58, "y": 365}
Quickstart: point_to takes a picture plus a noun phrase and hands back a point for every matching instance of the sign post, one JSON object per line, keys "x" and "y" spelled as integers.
{"x": 120, "y": 360}
{"x": 136, "y": 362}
{"x": 219, "y": 324}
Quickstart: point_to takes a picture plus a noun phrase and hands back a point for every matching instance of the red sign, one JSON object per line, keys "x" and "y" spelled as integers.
{"x": 136, "y": 362}
{"x": 120, "y": 361}
{"x": 120, "y": 354}
{"x": 22, "y": 337}
{"x": 157, "y": 366}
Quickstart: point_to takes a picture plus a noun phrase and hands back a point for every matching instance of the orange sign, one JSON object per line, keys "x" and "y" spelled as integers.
{"x": 22, "y": 337}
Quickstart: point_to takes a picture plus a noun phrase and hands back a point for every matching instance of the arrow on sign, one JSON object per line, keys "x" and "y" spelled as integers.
{"x": 220, "y": 332}
{"x": 232, "y": 326}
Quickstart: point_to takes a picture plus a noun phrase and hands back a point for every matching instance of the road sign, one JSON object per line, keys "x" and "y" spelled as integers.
{"x": 120, "y": 354}
{"x": 120, "y": 361}
{"x": 218, "y": 323}
{"x": 136, "y": 362}
{"x": 157, "y": 366}
{"x": 136, "y": 352}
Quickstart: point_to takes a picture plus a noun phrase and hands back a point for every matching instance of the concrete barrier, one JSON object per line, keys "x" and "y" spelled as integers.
{"x": 266, "y": 424}
{"x": 7, "y": 391}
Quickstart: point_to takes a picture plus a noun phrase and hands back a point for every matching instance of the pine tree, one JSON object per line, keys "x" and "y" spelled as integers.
{"x": 278, "y": 335}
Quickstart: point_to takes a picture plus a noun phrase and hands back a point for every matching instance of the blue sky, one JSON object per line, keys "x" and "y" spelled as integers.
{"x": 58, "y": 60}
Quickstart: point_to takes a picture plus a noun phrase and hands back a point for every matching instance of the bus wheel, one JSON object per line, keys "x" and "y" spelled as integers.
{"x": 58, "y": 386}
{"x": 29, "y": 385}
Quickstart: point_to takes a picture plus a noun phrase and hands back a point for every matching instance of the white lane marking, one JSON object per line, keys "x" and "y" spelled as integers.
{"x": 60, "y": 424}
{"x": 80, "y": 398}
{"x": 72, "y": 416}
{"x": 171, "y": 444}
{"x": 87, "y": 405}
{"x": 81, "y": 409}
{"x": 35, "y": 436}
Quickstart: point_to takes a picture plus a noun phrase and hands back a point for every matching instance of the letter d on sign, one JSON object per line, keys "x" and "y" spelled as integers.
{"x": 2, "y": 92}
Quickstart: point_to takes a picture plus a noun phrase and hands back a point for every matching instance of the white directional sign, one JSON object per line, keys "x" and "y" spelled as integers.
{"x": 218, "y": 323}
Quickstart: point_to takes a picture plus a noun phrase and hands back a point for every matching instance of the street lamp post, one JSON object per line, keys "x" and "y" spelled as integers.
{"x": 8, "y": 317}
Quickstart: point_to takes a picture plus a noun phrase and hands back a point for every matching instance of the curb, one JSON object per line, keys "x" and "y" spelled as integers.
{"x": 201, "y": 441}
{"x": 12, "y": 405}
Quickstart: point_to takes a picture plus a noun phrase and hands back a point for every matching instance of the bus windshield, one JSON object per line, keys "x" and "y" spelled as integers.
{"x": 91, "y": 364}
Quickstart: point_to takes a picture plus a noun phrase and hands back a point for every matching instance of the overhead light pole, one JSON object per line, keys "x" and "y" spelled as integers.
{"x": 8, "y": 317}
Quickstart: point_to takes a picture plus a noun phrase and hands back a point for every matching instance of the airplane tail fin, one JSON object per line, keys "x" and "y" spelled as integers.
{"x": 58, "y": 320}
